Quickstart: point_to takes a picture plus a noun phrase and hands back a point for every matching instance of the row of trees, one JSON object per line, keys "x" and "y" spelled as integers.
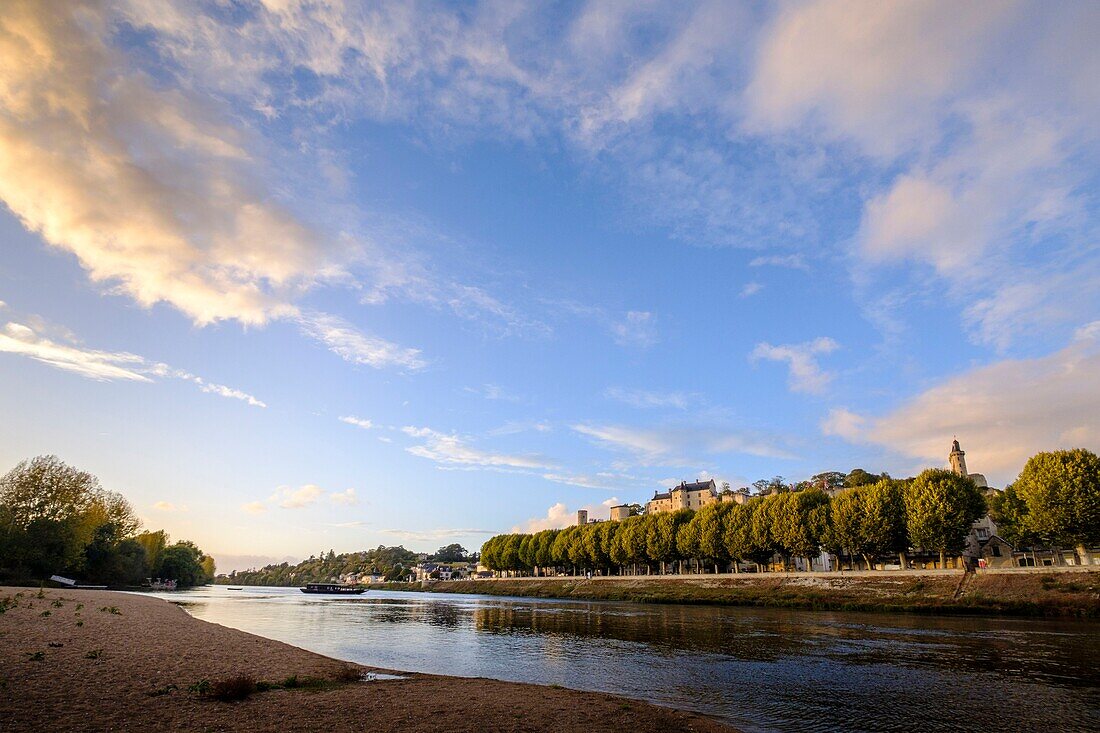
{"x": 1056, "y": 499}
{"x": 56, "y": 519}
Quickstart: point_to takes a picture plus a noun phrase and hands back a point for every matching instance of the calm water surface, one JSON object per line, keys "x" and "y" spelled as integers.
{"x": 758, "y": 669}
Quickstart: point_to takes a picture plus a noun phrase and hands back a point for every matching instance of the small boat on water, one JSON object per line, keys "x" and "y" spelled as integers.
{"x": 234, "y": 588}
{"x": 332, "y": 589}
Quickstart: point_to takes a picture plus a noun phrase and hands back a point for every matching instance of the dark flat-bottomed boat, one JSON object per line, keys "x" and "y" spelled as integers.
{"x": 332, "y": 589}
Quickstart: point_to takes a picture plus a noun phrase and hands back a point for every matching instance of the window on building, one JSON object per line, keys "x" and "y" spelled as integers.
{"x": 996, "y": 550}
{"x": 983, "y": 533}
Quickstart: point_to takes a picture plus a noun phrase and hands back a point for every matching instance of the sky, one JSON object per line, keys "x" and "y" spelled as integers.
{"x": 326, "y": 275}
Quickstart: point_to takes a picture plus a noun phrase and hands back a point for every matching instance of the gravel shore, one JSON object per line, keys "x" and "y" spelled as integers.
{"x": 85, "y": 660}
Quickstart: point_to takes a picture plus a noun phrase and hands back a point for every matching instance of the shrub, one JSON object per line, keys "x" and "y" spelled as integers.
{"x": 94, "y": 654}
{"x": 233, "y": 688}
{"x": 348, "y": 674}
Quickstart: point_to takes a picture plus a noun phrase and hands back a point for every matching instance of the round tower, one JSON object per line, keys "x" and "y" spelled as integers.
{"x": 958, "y": 459}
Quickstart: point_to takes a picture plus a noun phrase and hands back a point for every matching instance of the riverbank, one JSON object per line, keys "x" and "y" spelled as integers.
{"x": 1065, "y": 592}
{"x": 74, "y": 660}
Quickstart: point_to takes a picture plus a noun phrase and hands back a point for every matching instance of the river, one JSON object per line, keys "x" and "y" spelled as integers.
{"x": 757, "y": 669}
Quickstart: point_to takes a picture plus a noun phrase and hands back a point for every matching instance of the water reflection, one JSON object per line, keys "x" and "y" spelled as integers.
{"x": 760, "y": 669}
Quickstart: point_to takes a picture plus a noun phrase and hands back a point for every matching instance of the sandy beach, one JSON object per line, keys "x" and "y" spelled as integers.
{"x": 84, "y": 660}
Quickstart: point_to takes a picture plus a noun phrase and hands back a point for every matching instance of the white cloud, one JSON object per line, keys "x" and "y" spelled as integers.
{"x": 559, "y": 515}
{"x": 299, "y": 498}
{"x": 147, "y": 185}
{"x": 451, "y": 450}
{"x": 344, "y": 498}
{"x": 676, "y": 445}
{"x": 1002, "y": 413}
{"x": 751, "y": 289}
{"x": 984, "y": 119}
{"x": 843, "y": 423}
{"x": 641, "y": 398}
{"x": 357, "y": 421}
{"x": 167, "y": 506}
{"x": 805, "y": 373}
{"x": 17, "y": 338}
{"x": 353, "y": 346}
{"x": 254, "y": 507}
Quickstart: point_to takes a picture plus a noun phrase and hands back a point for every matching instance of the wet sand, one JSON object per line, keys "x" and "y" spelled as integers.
{"x": 105, "y": 673}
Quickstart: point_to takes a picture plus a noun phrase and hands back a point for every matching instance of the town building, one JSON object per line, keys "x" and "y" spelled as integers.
{"x": 695, "y": 495}
{"x": 621, "y": 512}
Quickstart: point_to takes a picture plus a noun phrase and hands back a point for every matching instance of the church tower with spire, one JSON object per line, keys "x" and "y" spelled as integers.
{"x": 958, "y": 459}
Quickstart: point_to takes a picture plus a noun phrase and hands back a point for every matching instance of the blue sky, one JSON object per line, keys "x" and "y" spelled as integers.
{"x": 305, "y": 276}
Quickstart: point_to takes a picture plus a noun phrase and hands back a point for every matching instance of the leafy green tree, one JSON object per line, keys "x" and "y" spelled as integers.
{"x": 799, "y": 520}
{"x": 1009, "y": 512}
{"x": 1061, "y": 490}
{"x": 153, "y": 543}
{"x": 605, "y": 534}
{"x": 628, "y": 545}
{"x": 182, "y": 562}
{"x": 687, "y": 539}
{"x": 869, "y": 521}
{"x": 766, "y": 516}
{"x": 940, "y": 506}
{"x": 858, "y": 477}
{"x": 740, "y": 535}
{"x": 661, "y": 536}
{"x": 450, "y": 553}
{"x": 711, "y": 522}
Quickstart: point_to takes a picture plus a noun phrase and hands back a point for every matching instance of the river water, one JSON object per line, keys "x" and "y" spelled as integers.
{"x": 757, "y": 669}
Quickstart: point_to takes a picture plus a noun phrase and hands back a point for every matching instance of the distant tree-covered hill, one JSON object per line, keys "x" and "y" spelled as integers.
{"x": 392, "y": 562}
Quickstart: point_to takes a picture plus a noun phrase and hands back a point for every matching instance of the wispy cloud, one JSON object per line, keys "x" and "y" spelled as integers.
{"x": 806, "y": 375}
{"x": 642, "y": 398}
{"x": 351, "y": 345}
{"x": 751, "y": 289}
{"x": 792, "y": 261}
{"x": 16, "y": 338}
{"x": 637, "y": 328}
{"x": 677, "y": 445}
{"x": 104, "y": 366}
{"x": 357, "y": 422}
{"x": 169, "y": 507}
{"x": 494, "y": 392}
{"x": 431, "y": 535}
{"x": 452, "y": 450}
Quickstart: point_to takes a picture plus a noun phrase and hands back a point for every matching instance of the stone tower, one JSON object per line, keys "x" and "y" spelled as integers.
{"x": 958, "y": 459}
{"x": 582, "y": 517}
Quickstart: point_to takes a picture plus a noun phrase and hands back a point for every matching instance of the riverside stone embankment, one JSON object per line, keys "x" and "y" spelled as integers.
{"x": 1060, "y": 592}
